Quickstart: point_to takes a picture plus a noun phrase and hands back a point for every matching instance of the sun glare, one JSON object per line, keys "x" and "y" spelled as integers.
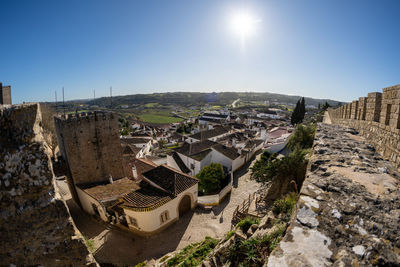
{"x": 243, "y": 24}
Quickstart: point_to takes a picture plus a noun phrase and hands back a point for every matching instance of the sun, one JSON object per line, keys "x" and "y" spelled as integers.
{"x": 243, "y": 24}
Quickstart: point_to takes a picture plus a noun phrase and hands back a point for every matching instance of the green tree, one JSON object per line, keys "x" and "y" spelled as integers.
{"x": 298, "y": 112}
{"x": 303, "y": 137}
{"x": 326, "y": 105}
{"x": 211, "y": 178}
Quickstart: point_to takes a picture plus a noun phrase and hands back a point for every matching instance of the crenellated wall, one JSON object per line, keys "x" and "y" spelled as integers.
{"x": 376, "y": 117}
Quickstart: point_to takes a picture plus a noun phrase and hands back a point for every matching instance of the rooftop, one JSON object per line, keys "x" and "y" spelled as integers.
{"x": 109, "y": 191}
{"x": 171, "y": 180}
{"x": 209, "y": 133}
{"x": 229, "y": 152}
{"x": 197, "y": 150}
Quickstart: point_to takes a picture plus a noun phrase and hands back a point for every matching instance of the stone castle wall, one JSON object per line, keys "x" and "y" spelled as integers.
{"x": 90, "y": 145}
{"x": 348, "y": 209}
{"x": 376, "y": 117}
{"x": 35, "y": 224}
{"x": 5, "y": 95}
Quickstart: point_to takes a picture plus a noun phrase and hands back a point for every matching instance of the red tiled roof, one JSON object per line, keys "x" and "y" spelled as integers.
{"x": 108, "y": 191}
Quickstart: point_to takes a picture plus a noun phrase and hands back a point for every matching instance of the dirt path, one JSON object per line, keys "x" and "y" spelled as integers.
{"x": 123, "y": 248}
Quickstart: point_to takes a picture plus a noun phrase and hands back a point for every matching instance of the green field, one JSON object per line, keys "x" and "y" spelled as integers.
{"x": 157, "y": 118}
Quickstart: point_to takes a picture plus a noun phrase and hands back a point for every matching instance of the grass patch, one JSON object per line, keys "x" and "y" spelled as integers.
{"x": 193, "y": 254}
{"x": 90, "y": 244}
{"x": 151, "y": 105}
{"x": 157, "y": 118}
{"x": 229, "y": 234}
{"x": 245, "y": 223}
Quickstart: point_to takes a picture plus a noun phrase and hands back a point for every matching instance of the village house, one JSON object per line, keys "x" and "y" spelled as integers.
{"x": 191, "y": 158}
{"x": 144, "y": 145}
{"x": 211, "y": 135}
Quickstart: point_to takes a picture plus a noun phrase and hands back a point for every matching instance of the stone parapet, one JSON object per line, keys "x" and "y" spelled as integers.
{"x": 381, "y": 125}
{"x": 349, "y": 205}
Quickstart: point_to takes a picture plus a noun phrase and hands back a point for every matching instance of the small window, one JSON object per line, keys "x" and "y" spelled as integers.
{"x": 192, "y": 166}
{"x": 164, "y": 217}
{"x": 133, "y": 221}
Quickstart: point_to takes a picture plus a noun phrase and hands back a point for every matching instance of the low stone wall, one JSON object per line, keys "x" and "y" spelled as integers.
{"x": 214, "y": 200}
{"x": 35, "y": 224}
{"x": 348, "y": 212}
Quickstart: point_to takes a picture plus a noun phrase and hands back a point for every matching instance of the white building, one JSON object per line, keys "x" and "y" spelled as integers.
{"x": 212, "y": 135}
{"x": 191, "y": 158}
{"x": 160, "y": 197}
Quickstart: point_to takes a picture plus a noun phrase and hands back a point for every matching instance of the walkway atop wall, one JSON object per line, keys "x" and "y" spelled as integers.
{"x": 348, "y": 213}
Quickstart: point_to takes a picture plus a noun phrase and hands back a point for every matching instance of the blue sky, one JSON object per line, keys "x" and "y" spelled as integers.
{"x": 325, "y": 49}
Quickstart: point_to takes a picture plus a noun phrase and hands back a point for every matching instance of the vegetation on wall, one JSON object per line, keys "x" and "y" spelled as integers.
{"x": 255, "y": 251}
{"x": 193, "y": 254}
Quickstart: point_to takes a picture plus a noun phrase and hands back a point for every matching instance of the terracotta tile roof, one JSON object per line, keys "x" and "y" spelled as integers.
{"x": 107, "y": 191}
{"x": 146, "y": 198}
{"x": 180, "y": 163}
{"x": 229, "y": 152}
{"x": 134, "y": 140}
{"x": 142, "y": 166}
{"x": 129, "y": 149}
{"x": 191, "y": 150}
{"x": 172, "y": 181}
{"x": 209, "y": 133}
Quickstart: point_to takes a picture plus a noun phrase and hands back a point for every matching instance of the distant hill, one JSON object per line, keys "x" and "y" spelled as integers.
{"x": 190, "y": 98}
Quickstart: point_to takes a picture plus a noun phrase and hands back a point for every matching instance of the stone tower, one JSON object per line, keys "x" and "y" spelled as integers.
{"x": 5, "y": 95}
{"x": 90, "y": 145}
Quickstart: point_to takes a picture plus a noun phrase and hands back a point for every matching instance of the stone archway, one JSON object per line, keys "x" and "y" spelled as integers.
{"x": 184, "y": 205}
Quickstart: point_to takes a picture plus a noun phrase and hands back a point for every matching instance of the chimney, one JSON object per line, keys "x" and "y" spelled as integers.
{"x": 134, "y": 172}
{"x": 111, "y": 179}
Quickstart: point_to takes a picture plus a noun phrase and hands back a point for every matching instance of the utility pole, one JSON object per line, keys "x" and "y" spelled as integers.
{"x": 94, "y": 97}
{"x": 111, "y": 97}
{"x": 55, "y": 93}
{"x": 63, "y": 100}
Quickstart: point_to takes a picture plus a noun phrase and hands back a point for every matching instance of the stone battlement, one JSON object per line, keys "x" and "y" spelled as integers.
{"x": 88, "y": 116}
{"x": 377, "y": 117}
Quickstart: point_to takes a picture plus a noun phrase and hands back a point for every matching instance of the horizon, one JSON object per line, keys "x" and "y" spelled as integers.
{"x": 326, "y": 50}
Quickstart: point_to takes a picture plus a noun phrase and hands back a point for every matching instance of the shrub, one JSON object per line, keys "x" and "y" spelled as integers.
{"x": 245, "y": 223}
{"x": 255, "y": 251}
{"x": 284, "y": 205}
{"x": 303, "y": 137}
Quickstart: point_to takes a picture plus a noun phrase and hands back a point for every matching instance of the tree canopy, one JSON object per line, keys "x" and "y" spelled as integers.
{"x": 298, "y": 112}
{"x": 211, "y": 178}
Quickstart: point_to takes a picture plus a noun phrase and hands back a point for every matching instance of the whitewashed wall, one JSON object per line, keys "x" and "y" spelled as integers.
{"x": 150, "y": 221}
{"x": 87, "y": 202}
